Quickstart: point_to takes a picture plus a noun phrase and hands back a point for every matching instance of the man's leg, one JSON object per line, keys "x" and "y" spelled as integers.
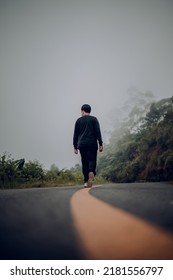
{"x": 85, "y": 164}
{"x": 92, "y": 160}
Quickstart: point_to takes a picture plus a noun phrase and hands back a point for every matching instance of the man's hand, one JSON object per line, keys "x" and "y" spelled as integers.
{"x": 76, "y": 151}
{"x": 100, "y": 148}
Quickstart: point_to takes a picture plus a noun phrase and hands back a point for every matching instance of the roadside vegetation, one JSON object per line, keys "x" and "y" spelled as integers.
{"x": 140, "y": 148}
{"x": 18, "y": 174}
{"x": 141, "y": 145}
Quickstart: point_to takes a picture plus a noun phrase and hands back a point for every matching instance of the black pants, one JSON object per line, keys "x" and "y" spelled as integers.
{"x": 89, "y": 159}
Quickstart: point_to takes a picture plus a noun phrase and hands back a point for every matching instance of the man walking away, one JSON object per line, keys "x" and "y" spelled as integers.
{"x": 87, "y": 138}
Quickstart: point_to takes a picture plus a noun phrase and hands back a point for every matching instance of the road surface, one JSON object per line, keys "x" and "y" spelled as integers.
{"x": 114, "y": 221}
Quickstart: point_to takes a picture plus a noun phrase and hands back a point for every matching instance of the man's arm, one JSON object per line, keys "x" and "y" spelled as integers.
{"x": 98, "y": 135}
{"x": 75, "y": 138}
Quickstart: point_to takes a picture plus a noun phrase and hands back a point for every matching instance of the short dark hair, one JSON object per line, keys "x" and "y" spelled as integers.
{"x": 86, "y": 108}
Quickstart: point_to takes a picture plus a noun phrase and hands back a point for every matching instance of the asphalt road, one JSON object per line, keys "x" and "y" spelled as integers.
{"x": 150, "y": 201}
{"x": 37, "y": 223}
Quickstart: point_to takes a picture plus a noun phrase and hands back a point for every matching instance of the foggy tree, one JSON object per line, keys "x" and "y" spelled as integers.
{"x": 145, "y": 153}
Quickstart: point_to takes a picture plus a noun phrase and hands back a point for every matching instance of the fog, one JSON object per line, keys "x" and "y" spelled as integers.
{"x": 56, "y": 55}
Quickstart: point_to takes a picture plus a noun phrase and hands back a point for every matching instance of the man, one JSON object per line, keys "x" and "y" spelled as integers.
{"x": 87, "y": 137}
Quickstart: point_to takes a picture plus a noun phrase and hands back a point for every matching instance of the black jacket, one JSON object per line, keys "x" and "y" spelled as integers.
{"x": 87, "y": 133}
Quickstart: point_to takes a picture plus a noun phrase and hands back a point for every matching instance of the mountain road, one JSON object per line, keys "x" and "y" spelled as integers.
{"x": 111, "y": 221}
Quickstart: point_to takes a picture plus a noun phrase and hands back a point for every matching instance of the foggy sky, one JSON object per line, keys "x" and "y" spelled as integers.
{"x": 56, "y": 55}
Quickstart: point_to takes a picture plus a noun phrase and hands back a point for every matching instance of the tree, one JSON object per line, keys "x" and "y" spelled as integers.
{"x": 10, "y": 170}
{"x": 145, "y": 153}
{"x": 33, "y": 170}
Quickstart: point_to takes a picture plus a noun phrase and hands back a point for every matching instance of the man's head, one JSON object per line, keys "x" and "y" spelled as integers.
{"x": 86, "y": 108}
